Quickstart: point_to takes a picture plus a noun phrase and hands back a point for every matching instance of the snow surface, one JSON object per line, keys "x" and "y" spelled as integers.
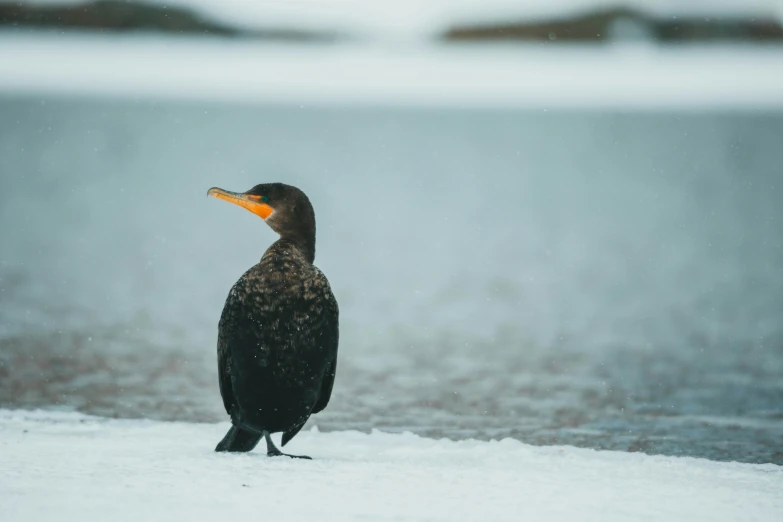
{"x": 67, "y": 466}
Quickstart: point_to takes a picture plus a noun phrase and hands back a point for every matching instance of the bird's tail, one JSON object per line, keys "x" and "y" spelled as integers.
{"x": 239, "y": 440}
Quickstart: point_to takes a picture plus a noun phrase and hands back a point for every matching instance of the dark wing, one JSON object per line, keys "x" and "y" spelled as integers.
{"x": 293, "y": 430}
{"x": 227, "y": 328}
{"x": 329, "y": 334}
{"x": 327, "y": 384}
{"x": 224, "y": 375}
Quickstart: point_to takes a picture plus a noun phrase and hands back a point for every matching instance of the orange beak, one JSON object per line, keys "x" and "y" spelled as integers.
{"x": 251, "y": 202}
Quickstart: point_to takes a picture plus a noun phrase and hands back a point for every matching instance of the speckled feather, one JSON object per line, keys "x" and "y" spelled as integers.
{"x": 277, "y": 343}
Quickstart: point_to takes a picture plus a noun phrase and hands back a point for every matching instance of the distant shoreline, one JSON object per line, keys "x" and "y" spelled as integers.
{"x": 598, "y": 24}
{"x": 115, "y": 16}
{"x": 573, "y": 76}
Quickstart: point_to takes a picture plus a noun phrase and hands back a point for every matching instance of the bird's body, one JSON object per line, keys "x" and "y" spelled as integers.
{"x": 277, "y": 339}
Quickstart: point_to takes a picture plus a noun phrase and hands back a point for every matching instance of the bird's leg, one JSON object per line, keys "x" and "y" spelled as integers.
{"x": 272, "y": 451}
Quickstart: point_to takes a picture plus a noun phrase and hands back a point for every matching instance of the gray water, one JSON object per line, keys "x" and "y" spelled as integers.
{"x": 607, "y": 280}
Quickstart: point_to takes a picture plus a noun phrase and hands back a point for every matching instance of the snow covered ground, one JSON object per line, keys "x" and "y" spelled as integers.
{"x": 66, "y": 466}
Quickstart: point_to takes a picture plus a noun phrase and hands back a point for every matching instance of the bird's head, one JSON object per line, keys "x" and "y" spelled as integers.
{"x": 286, "y": 209}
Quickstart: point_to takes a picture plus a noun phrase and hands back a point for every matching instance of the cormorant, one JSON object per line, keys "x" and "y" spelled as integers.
{"x": 278, "y": 333}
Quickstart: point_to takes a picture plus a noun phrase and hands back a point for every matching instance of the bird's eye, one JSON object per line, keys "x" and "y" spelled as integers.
{"x": 264, "y": 199}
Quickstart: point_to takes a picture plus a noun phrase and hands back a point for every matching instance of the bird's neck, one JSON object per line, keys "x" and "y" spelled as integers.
{"x": 304, "y": 245}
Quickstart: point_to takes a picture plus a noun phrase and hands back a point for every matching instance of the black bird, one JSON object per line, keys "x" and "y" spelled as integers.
{"x": 278, "y": 334}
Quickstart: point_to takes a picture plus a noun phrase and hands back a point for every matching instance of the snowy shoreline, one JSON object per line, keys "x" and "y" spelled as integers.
{"x": 67, "y": 465}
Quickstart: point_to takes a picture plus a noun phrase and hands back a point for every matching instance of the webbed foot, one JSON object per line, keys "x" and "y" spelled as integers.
{"x": 277, "y": 453}
{"x": 272, "y": 451}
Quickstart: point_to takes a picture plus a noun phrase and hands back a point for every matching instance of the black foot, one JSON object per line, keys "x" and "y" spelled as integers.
{"x": 278, "y": 453}
{"x": 272, "y": 451}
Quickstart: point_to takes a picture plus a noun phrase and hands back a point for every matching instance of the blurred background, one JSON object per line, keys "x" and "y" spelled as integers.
{"x": 554, "y": 221}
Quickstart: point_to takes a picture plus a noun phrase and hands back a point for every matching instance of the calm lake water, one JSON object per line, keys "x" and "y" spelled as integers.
{"x": 603, "y": 279}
